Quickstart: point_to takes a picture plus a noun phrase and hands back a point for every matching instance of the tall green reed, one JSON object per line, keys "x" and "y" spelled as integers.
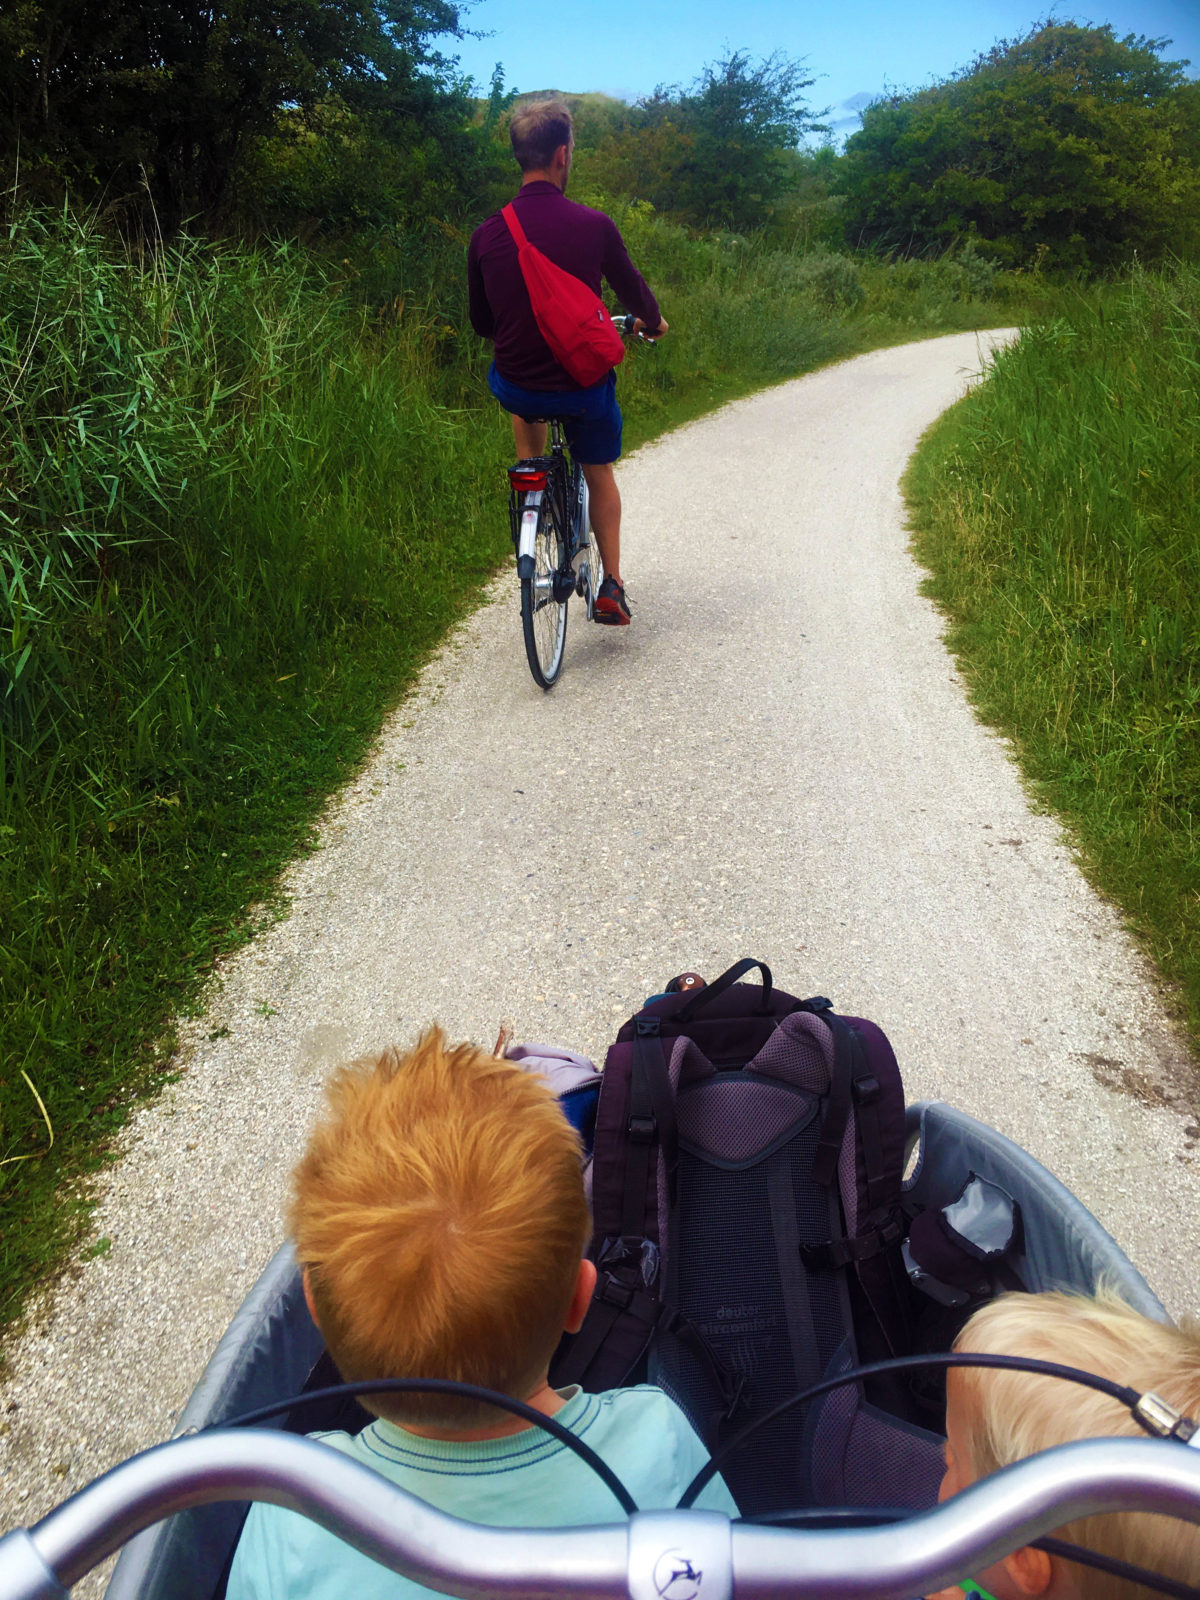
{"x": 220, "y": 472}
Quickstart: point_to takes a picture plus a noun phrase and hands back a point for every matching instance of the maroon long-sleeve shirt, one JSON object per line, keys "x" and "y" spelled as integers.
{"x": 577, "y": 239}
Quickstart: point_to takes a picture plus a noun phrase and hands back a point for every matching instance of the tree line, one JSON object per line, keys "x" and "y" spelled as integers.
{"x": 1068, "y": 145}
{"x": 251, "y": 113}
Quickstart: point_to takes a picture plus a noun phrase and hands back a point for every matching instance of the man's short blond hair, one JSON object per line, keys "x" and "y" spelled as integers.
{"x": 536, "y": 130}
{"x": 1007, "y": 1416}
{"x": 440, "y": 1211}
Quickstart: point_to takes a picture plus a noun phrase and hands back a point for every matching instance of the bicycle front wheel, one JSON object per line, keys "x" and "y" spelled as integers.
{"x": 543, "y": 614}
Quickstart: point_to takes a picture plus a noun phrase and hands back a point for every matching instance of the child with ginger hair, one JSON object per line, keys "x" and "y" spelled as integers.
{"x": 994, "y": 1418}
{"x": 440, "y": 1219}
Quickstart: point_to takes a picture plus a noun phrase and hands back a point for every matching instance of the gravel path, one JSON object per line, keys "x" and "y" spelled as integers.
{"x": 777, "y": 759}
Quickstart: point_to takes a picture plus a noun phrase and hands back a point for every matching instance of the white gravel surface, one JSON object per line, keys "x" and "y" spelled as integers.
{"x": 777, "y": 759}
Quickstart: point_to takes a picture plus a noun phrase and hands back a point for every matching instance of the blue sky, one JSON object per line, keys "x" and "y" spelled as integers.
{"x": 855, "y": 49}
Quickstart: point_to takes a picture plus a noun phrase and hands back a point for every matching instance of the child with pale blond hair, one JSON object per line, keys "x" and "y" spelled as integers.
{"x": 440, "y": 1219}
{"x": 996, "y": 1417}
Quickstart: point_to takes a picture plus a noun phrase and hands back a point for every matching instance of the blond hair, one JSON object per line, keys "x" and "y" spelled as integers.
{"x": 440, "y": 1212}
{"x": 1010, "y": 1415}
{"x": 536, "y": 131}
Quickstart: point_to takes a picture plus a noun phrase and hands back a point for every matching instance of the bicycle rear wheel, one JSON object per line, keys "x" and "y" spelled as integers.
{"x": 543, "y": 614}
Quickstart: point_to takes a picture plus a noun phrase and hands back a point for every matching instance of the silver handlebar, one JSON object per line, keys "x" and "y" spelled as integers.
{"x": 655, "y": 1555}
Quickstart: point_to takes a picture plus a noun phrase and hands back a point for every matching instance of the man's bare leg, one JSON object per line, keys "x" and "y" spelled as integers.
{"x": 529, "y": 437}
{"x": 604, "y": 503}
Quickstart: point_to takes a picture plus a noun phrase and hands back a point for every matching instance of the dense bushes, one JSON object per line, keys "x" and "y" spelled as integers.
{"x": 715, "y": 155}
{"x": 236, "y": 117}
{"x": 833, "y": 279}
{"x": 1068, "y": 145}
{"x": 213, "y": 466}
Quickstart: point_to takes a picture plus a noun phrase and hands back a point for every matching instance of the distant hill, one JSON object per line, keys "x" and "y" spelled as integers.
{"x": 595, "y": 114}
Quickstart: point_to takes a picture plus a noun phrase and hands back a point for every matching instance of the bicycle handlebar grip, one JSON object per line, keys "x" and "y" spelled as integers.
{"x": 24, "y": 1574}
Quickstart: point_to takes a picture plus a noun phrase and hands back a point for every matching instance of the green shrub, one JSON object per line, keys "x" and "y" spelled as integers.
{"x": 832, "y": 279}
{"x": 1069, "y": 142}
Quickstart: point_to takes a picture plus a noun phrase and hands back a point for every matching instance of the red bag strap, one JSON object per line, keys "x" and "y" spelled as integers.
{"x": 514, "y": 227}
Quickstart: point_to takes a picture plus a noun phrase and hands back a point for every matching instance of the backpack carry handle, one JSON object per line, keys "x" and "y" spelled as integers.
{"x": 726, "y": 981}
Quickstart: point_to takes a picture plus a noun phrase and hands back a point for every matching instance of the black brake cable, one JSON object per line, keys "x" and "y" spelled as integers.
{"x": 1118, "y": 1568}
{"x": 469, "y": 1391}
{"x": 1130, "y": 1398}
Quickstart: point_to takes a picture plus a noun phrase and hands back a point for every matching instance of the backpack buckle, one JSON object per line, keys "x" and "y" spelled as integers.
{"x": 614, "y": 1293}
{"x": 825, "y": 1257}
{"x": 866, "y": 1090}
{"x": 642, "y": 1130}
{"x": 835, "y": 1253}
{"x": 892, "y": 1231}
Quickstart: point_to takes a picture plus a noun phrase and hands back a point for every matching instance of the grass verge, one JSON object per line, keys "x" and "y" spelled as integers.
{"x": 1056, "y": 507}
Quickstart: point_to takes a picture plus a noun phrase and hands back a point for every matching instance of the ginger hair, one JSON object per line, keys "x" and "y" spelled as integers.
{"x": 1007, "y": 1416}
{"x": 439, "y": 1209}
{"x": 536, "y": 130}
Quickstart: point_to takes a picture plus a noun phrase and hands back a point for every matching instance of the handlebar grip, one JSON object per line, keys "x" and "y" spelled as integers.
{"x": 623, "y": 322}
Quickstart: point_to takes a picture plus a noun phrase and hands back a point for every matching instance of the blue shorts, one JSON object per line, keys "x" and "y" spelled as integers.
{"x": 591, "y": 417}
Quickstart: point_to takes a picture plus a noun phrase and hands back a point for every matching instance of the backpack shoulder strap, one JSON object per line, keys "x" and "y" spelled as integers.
{"x": 846, "y": 1051}
{"x": 651, "y": 1124}
{"x": 624, "y": 1310}
{"x": 872, "y": 1246}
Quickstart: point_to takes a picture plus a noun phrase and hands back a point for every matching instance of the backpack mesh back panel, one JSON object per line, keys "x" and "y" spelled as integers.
{"x": 736, "y": 1224}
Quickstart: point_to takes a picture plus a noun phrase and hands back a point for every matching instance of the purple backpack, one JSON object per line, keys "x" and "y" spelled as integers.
{"x": 746, "y": 1189}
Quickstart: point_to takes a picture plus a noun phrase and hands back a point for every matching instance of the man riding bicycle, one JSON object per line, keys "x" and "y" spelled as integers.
{"x": 525, "y": 376}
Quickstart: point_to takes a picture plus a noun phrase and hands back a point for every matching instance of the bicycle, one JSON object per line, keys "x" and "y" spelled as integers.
{"x": 557, "y": 553}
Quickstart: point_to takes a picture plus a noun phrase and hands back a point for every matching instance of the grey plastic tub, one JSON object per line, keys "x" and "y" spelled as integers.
{"x": 272, "y": 1350}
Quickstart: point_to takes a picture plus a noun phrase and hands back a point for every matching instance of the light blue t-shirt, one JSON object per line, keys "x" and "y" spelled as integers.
{"x": 524, "y": 1480}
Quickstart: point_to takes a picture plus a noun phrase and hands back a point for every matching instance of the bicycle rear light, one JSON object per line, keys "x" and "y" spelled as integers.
{"x": 526, "y": 479}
